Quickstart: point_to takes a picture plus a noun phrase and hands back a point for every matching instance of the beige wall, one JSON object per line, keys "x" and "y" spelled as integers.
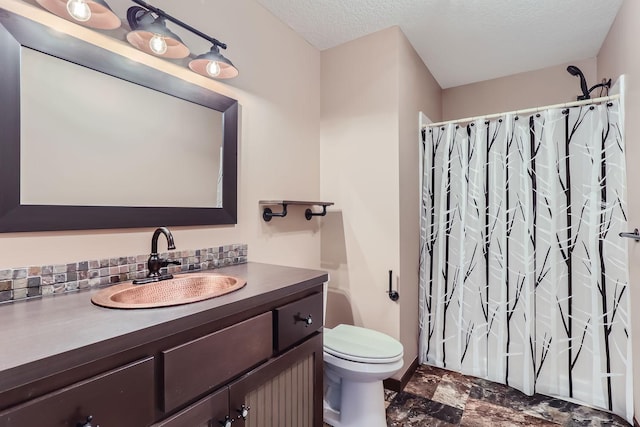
{"x": 619, "y": 55}
{"x": 369, "y": 167}
{"x": 419, "y": 92}
{"x": 278, "y": 90}
{"x": 552, "y": 85}
{"x": 359, "y": 172}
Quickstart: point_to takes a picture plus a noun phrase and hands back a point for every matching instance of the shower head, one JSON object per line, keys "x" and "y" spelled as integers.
{"x": 575, "y": 71}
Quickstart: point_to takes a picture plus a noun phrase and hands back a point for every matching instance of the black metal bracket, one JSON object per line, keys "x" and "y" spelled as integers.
{"x": 267, "y": 214}
{"x": 310, "y": 214}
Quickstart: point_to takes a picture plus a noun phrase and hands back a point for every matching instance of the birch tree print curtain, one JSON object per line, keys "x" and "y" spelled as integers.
{"x": 523, "y": 277}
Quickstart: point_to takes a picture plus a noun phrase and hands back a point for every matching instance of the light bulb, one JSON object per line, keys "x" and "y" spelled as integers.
{"x": 79, "y": 10}
{"x": 158, "y": 45}
{"x": 213, "y": 69}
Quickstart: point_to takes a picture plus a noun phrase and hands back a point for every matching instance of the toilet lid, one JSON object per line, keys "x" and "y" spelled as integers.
{"x": 361, "y": 345}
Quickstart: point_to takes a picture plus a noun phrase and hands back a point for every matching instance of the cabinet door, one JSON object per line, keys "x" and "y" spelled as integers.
{"x": 123, "y": 397}
{"x": 284, "y": 392}
{"x": 208, "y": 412}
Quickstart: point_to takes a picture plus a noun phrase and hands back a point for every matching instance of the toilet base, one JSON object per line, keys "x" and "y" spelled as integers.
{"x": 361, "y": 405}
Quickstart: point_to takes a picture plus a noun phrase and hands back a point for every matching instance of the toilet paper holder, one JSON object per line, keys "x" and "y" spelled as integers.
{"x": 393, "y": 295}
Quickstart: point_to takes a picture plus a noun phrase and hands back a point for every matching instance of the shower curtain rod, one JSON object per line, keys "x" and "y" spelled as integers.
{"x": 529, "y": 110}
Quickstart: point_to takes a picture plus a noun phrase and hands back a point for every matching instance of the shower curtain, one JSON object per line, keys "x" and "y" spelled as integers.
{"x": 523, "y": 277}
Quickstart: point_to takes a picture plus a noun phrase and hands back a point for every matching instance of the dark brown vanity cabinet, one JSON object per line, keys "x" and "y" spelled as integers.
{"x": 278, "y": 393}
{"x": 122, "y": 397}
{"x": 260, "y": 367}
{"x": 284, "y": 391}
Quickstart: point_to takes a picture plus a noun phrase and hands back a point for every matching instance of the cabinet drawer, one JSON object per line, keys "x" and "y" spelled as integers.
{"x": 210, "y": 411}
{"x": 123, "y": 397}
{"x": 199, "y": 366}
{"x": 292, "y": 324}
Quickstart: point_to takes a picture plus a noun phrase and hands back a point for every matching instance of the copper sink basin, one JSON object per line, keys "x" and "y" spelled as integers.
{"x": 183, "y": 289}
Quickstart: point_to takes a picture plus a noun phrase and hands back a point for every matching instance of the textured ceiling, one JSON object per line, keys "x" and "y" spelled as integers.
{"x": 462, "y": 41}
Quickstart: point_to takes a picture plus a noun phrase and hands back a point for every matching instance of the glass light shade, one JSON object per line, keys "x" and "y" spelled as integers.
{"x": 90, "y": 13}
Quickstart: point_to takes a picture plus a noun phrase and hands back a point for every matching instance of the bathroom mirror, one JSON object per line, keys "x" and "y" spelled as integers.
{"x": 91, "y": 139}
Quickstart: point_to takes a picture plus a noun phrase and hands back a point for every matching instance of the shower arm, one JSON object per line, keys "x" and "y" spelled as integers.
{"x": 606, "y": 84}
{"x": 587, "y": 94}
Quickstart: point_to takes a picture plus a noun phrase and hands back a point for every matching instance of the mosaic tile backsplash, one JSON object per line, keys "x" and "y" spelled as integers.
{"x": 35, "y": 281}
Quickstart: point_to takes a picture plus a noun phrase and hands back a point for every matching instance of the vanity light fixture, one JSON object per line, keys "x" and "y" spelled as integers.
{"x": 90, "y": 13}
{"x": 214, "y": 64}
{"x": 151, "y": 35}
{"x": 149, "y": 32}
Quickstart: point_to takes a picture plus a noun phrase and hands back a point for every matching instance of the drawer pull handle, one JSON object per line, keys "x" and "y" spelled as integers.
{"x": 227, "y": 421}
{"x": 308, "y": 321}
{"x": 86, "y": 423}
{"x": 244, "y": 412}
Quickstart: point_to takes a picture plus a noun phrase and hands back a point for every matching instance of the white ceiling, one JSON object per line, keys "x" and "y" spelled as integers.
{"x": 462, "y": 41}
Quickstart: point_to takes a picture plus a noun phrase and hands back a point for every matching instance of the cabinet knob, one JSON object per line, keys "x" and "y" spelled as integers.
{"x": 308, "y": 321}
{"x": 244, "y": 412}
{"x": 227, "y": 421}
{"x": 86, "y": 423}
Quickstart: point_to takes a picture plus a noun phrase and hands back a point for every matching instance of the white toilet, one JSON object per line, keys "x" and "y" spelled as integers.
{"x": 356, "y": 360}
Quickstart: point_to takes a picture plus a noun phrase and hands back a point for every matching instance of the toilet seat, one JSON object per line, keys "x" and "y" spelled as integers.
{"x": 361, "y": 345}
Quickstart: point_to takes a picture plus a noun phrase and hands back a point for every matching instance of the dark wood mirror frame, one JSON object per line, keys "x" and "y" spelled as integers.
{"x": 17, "y": 32}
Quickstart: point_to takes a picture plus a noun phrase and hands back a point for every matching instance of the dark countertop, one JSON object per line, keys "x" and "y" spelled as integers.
{"x": 47, "y": 333}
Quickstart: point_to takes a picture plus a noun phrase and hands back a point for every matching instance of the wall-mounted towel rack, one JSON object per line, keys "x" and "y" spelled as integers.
{"x": 267, "y": 213}
{"x": 635, "y": 235}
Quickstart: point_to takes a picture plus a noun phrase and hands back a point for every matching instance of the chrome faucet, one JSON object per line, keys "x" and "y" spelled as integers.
{"x": 155, "y": 263}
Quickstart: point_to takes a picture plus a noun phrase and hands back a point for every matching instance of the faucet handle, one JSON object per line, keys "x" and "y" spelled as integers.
{"x": 166, "y": 262}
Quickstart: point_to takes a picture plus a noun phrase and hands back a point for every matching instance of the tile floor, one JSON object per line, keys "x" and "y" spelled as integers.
{"x": 440, "y": 398}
